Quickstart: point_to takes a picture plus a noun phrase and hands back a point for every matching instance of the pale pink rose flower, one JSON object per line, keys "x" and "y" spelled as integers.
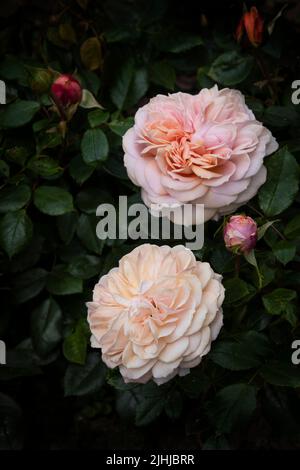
{"x": 240, "y": 234}
{"x": 201, "y": 149}
{"x": 156, "y": 315}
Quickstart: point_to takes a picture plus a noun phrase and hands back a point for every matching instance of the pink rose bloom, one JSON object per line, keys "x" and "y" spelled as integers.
{"x": 67, "y": 90}
{"x": 201, "y": 149}
{"x": 156, "y": 315}
{"x": 240, "y": 234}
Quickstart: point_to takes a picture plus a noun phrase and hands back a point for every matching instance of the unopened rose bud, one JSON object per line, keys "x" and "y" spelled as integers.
{"x": 240, "y": 234}
{"x": 253, "y": 24}
{"x": 66, "y": 90}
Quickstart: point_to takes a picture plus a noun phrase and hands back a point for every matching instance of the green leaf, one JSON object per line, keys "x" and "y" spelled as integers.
{"x": 84, "y": 266}
{"x": 17, "y": 114}
{"x": 75, "y": 345}
{"x": 17, "y": 154}
{"x": 88, "y": 100}
{"x": 29, "y": 257}
{"x": 79, "y": 170}
{"x": 163, "y": 74}
{"x": 21, "y": 362}
{"x": 85, "y": 379}
{"x": 86, "y": 232}
{"x": 67, "y": 224}
{"x": 232, "y": 406}
{"x": 67, "y": 33}
{"x": 46, "y": 327}
{"x": 15, "y": 232}
{"x": 60, "y": 282}
{"x": 91, "y": 53}
{"x": 29, "y": 284}
{"x": 44, "y": 166}
{"x": 238, "y": 291}
{"x": 280, "y": 116}
{"x": 245, "y": 353}
{"x": 222, "y": 260}
{"x": 176, "y": 41}
{"x": 121, "y": 85}
{"x": 129, "y": 86}
{"x": 256, "y": 106}
{"x": 290, "y": 315}
{"x": 126, "y": 404}
{"x": 89, "y": 199}
{"x": 148, "y": 410}
{"x": 263, "y": 228}
{"x": 48, "y": 140}
{"x": 292, "y": 230}
{"x": 267, "y": 275}
{"x": 231, "y": 68}
{"x": 203, "y": 80}
{"x": 94, "y": 146}
{"x": 138, "y": 87}
{"x": 115, "y": 379}
{"x": 52, "y": 200}
{"x": 115, "y": 167}
{"x": 284, "y": 251}
{"x": 14, "y": 198}
{"x": 276, "y": 302}
{"x": 120, "y": 127}
{"x": 281, "y": 374}
{"x": 97, "y": 117}
{"x": 282, "y": 183}
{"x": 12, "y": 68}
{"x": 251, "y": 259}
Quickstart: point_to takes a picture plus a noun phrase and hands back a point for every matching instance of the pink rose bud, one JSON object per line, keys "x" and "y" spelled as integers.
{"x": 240, "y": 234}
{"x": 67, "y": 90}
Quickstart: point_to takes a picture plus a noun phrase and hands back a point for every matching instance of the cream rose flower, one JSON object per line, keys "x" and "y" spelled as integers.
{"x": 201, "y": 149}
{"x": 156, "y": 315}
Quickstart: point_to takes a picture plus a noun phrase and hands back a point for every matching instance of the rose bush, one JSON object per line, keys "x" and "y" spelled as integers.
{"x": 200, "y": 115}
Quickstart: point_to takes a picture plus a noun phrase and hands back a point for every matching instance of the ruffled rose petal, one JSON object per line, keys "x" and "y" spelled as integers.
{"x": 156, "y": 315}
{"x": 200, "y": 149}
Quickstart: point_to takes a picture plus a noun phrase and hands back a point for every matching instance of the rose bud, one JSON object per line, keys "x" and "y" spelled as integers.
{"x": 240, "y": 234}
{"x": 253, "y": 23}
{"x": 66, "y": 90}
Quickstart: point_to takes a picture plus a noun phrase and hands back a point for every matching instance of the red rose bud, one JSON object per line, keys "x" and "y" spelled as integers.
{"x": 253, "y": 24}
{"x": 67, "y": 90}
{"x": 240, "y": 234}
